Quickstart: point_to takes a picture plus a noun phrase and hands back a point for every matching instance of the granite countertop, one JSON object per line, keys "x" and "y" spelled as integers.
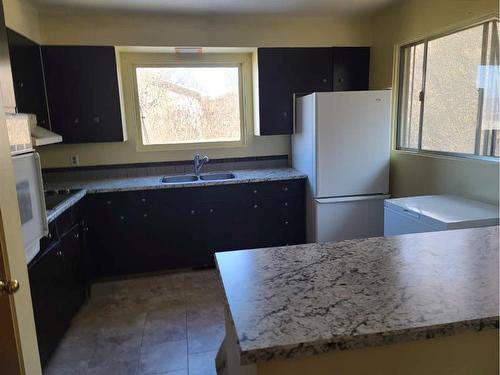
{"x": 64, "y": 205}
{"x": 154, "y": 182}
{"x": 287, "y": 302}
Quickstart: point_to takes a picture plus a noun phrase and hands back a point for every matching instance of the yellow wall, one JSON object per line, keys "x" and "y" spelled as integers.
{"x": 416, "y": 174}
{"x": 220, "y": 31}
{"x": 23, "y": 18}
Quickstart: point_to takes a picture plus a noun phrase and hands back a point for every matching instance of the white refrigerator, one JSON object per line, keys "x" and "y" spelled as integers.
{"x": 342, "y": 142}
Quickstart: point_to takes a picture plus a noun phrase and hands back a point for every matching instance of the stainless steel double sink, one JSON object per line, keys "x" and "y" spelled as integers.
{"x": 193, "y": 178}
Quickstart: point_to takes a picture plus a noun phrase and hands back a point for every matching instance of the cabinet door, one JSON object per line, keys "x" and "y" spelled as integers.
{"x": 351, "y": 68}
{"x": 82, "y": 92}
{"x": 178, "y": 227}
{"x": 111, "y": 236}
{"x": 27, "y": 73}
{"x": 47, "y": 292}
{"x": 283, "y": 72}
{"x": 74, "y": 269}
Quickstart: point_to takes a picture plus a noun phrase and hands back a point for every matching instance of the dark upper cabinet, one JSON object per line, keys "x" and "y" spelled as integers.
{"x": 287, "y": 71}
{"x": 27, "y": 73}
{"x": 283, "y": 72}
{"x": 351, "y": 66}
{"x": 82, "y": 92}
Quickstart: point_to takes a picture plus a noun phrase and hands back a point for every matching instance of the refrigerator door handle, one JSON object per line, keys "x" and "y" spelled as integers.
{"x": 352, "y": 198}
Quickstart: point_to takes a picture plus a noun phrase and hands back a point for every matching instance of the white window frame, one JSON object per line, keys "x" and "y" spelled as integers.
{"x": 132, "y": 60}
{"x": 399, "y": 74}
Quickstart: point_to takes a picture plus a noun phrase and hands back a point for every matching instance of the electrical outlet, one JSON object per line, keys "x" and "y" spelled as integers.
{"x": 74, "y": 160}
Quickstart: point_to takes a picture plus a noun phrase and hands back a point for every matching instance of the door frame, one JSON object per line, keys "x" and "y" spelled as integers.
{"x": 19, "y": 348}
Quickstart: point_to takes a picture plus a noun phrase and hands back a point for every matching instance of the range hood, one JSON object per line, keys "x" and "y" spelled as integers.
{"x": 24, "y": 133}
{"x": 40, "y": 136}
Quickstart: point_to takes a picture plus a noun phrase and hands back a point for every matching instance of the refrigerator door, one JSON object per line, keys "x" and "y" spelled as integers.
{"x": 353, "y": 133}
{"x": 346, "y": 218}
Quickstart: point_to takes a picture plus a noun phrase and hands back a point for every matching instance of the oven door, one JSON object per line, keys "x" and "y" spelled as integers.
{"x": 30, "y": 196}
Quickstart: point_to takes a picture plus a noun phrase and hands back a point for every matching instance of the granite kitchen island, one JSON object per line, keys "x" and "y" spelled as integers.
{"x": 411, "y": 304}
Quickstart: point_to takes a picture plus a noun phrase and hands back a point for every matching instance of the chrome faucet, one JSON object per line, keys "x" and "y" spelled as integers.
{"x": 199, "y": 162}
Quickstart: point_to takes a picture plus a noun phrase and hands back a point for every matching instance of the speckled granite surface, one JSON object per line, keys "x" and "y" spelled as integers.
{"x": 154, "y": 182}
{"x": 64, "y": 205}
{"x": 302, "y": 300}
{"x": 107, "y": 185}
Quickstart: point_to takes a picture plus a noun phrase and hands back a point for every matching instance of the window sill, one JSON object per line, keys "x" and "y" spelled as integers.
{"x": 449, "y": 156}
{"x": 190, "y": 146}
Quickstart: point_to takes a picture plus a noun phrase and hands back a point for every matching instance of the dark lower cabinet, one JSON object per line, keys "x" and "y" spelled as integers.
{"x": 153, "y": 230}
{"x": 58, "y": 285}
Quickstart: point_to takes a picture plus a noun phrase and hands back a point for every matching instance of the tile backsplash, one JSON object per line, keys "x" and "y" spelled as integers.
{"x": 162, "y": 168}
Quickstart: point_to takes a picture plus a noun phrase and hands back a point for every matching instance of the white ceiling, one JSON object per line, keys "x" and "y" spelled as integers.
{"x": 290, "y": 7}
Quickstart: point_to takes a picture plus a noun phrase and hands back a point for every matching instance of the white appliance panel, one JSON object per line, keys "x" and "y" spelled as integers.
{"x": 352, "y": 143}
{"x": 436, "y": 212}
{"x": 31, "y": 199}
{"x": 304, "y": 141}
{"x": 398, "y": 223}
{"x": 338, "y": 219}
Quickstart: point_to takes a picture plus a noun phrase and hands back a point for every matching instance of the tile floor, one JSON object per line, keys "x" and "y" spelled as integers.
{"x": 171, "y": 324}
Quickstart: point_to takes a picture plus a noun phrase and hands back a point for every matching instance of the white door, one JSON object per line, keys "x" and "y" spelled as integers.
{"x": 353, "y": 143}
{"x": 348, "y": 218}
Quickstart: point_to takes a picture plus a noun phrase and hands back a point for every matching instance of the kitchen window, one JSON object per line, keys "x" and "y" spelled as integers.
{"x": 187, "y": 101}
{"x": 449, "y": 94}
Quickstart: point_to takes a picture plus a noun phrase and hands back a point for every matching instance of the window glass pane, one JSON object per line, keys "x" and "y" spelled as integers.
{"x": 189, "y": 104}
{"x": 411, "y": 85}
{"x": 451, "y": 92}
{"x": 489, "y": 83}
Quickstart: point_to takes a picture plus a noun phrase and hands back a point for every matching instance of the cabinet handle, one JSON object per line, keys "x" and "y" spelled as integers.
{"x": 255, "y": 191}
{"x": 325, "y": 80}
{"x": 21, "y": 84}
{"x": 285, "y": 204}
{"x": 211, "y": 211}
{"x": 108, "y": 202}
{"x": 193, "y": 212}
{"x": 255, "y": 206}
{"x": 77, "y": 120}
{"x": 49, "y": 235}
{"x": 145, "y": 216}
{"x": 96, "y": 119}
{"x": 122, "y": 217}
{"x": 286, "y": 222}
{"x": 77, "y": 235}
{"x": 285, "y": 188}
{"x": 143, "y": 200}
{"x": 285, "y": 114}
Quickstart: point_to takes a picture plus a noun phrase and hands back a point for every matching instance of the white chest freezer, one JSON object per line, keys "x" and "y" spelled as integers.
{"x": 430, "y": 213}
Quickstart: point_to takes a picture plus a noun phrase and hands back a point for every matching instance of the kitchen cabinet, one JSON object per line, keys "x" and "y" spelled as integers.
{"x": 351, "y": 68}
{"x": 27, "y": 73}
{"x": 82, "y": 92}
{"x": 58, "y": 283}
{"x": 153, "y": 230}
{"x": 284, "y": 72}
